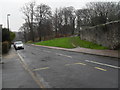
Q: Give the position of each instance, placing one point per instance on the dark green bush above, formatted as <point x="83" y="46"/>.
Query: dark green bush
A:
<point x="5" y="47"/>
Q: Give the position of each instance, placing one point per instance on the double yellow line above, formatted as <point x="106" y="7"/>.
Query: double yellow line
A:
<point x="35" y="78"/>
<point x="75" y="64"/>
<point x="100" y="68"/>
<point x="40" y="68"/>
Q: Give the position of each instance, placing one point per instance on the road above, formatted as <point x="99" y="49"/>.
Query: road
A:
<point x="64" y="69"/>
<point x="51" y="68"/>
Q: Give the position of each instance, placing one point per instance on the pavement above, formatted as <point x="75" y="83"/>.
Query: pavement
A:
<point x="109" y="53"/>
<point x="13" y="73"/>
<point x="0" y="76"/>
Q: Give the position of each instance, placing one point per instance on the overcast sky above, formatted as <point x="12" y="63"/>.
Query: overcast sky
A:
<point x="13" y="7"/>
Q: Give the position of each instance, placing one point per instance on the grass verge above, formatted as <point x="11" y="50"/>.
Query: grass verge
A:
<point x="70" y="42"/>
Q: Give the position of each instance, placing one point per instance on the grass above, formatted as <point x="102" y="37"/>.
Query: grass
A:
<point x="86" y="44"/>
<point x="70" y="42"/>
<point x="57" y="42"/>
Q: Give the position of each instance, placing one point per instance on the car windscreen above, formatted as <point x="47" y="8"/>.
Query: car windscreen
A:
<point x="18" y="43"/>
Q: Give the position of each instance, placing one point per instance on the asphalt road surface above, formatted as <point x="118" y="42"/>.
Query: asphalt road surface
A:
<point x="51" y="68"/>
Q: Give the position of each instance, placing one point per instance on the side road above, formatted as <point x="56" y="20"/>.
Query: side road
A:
<point x="13" y="73"/>
<point x="109" y="53"/>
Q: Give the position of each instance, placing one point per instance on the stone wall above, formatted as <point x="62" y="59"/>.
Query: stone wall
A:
<point x="107" y="35"/>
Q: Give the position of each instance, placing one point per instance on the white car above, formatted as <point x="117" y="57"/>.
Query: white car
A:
<point x="18" y="45"/>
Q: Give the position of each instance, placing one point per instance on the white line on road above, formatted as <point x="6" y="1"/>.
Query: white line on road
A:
<point x="103" y="64"/>
<point x="20" y="57"/>
<point x="64" y="55"/>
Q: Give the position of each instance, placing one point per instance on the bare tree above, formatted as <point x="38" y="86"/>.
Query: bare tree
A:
<point x="72" y="16"/>
<point x="28" y="10"/>
<point x="83" y="17"/>
<point x="25" y="30"/>
<point x="97" y="13"/>
<point x="40" y="22"/>
<point x="43" y="15"/>
<point x="102" y="12"/>
<point x="60" y="20"/>
<point x="56" y="21"/>
<point x="64" y="20"/>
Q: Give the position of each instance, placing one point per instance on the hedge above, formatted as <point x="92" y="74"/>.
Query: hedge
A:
<point x="5" y="46"/>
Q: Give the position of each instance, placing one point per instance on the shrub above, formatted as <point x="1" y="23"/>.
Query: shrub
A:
<point x="5" y="47"/>
<point x="30" y="41"/>
<point x="12" y="36"/>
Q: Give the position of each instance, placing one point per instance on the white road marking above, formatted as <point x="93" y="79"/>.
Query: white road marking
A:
<point x="64" y="55"/>
<point x="20" y="57"/>
<point x="103" y="64"/>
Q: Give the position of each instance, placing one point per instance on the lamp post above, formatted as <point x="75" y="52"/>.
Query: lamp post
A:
<point x="8" y="21"/>
<point x="8" y="26"/>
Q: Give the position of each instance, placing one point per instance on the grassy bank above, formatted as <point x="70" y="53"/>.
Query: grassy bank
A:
<point x="70" y="42"/>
